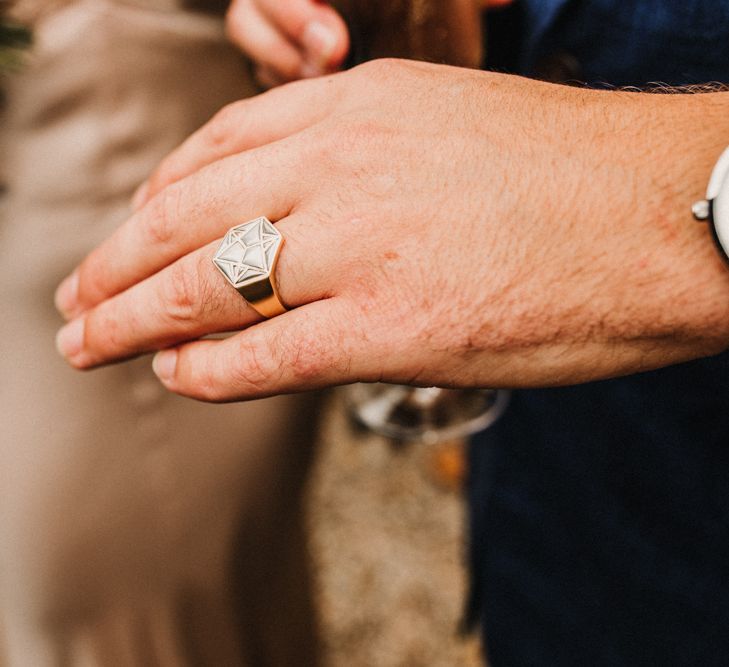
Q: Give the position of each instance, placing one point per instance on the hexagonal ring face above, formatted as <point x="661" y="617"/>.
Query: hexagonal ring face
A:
<point x="248" y="253"/>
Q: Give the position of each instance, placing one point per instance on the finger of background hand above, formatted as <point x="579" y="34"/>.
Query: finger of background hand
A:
<point x="266" y="78"/>
<point x="183" y="217"/>
<point x="316" y="27"/>
<point x="240" y="126"/>
<point x="312" y="347"/>
<point x="190" y="299"/>
<point x="262" y="40"/>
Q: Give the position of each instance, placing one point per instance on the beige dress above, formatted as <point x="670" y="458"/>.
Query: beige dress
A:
<point x="136" y="527"/>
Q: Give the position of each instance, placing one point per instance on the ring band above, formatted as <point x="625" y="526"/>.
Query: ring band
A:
<point x="247" y="258"/>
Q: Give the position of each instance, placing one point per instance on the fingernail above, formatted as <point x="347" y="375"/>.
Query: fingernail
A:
<point x="319" y="41"/>
<point x="140" y="196"/>
<point x="66" y="298"/>
<point x="164" y="364"/>
<point x="70" y="339"/>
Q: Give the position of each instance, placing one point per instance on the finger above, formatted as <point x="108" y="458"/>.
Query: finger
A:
<point x="312" y="347"/>
<point x="316" y="27"/>
<point x="183" y="302"/>
<point x="240" y="126"/>
<point x="266" y="78"/>
<point x="183" y="217"/>
<point x="190" y="299"/>
<point x="262" y="40"/>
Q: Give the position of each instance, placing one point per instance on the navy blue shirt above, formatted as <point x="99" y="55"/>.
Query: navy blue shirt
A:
<point x="600" y="513"/>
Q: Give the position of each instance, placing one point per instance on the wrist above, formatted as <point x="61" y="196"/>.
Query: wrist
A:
<point x="681" y="282"/>
<point x="599" y="266"/>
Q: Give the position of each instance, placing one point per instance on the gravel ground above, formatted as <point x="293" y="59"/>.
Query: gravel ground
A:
<point x="387" y="539"/>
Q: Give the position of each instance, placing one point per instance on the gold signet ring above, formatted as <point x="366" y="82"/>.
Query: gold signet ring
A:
<point x="247" y="258"/>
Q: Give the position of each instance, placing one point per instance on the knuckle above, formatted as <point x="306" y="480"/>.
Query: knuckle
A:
<point x="207" y="384"/>
<point x="160" y="223"/>
<point x="380" y="69"/>
<point x="307" y="364"/>
<point x="220" y="129"/>
<point x="182" y="295"/>
<point x="327" y="149"/>
<point x="306" y="354"/>
<point x="91" y="281"/>
<point x="248" y="376"/>
<point x="101" y="334"/>
<point x="258" y="366"/>
<point x="373" y="80"/>
<point x="351" y="149"/>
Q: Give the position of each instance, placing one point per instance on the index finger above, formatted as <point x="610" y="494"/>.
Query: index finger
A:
<point x="240" y="126"/>
<point x="185" y="216"/>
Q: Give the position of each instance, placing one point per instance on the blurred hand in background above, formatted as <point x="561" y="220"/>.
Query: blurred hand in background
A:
<point x="304" y="38"/>
<point x="288" y="40"/>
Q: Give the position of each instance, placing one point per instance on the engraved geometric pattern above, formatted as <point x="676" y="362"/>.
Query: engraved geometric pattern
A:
<point x="248" y="251"/>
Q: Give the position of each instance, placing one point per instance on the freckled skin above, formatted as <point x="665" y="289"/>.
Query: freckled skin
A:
<point x="537" y="235"/>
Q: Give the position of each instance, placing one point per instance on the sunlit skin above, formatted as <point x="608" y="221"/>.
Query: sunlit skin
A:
<point x="443" y="227"/>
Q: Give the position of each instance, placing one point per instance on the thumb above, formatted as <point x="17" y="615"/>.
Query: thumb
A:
<point x="314" y="27"/>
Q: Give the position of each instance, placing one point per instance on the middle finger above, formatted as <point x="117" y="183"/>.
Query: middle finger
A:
<point x="183" y="217"/>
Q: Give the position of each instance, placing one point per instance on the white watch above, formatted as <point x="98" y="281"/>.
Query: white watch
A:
<point x="715" y="208"/>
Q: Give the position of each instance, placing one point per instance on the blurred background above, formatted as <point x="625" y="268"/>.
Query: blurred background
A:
<point x="139" y="528"/>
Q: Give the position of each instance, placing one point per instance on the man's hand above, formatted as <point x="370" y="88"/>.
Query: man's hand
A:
<point x="443" y="227"/>
<point x="288" y="40"/>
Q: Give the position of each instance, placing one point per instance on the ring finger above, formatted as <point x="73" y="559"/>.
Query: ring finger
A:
<point x="190" y="299"/>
